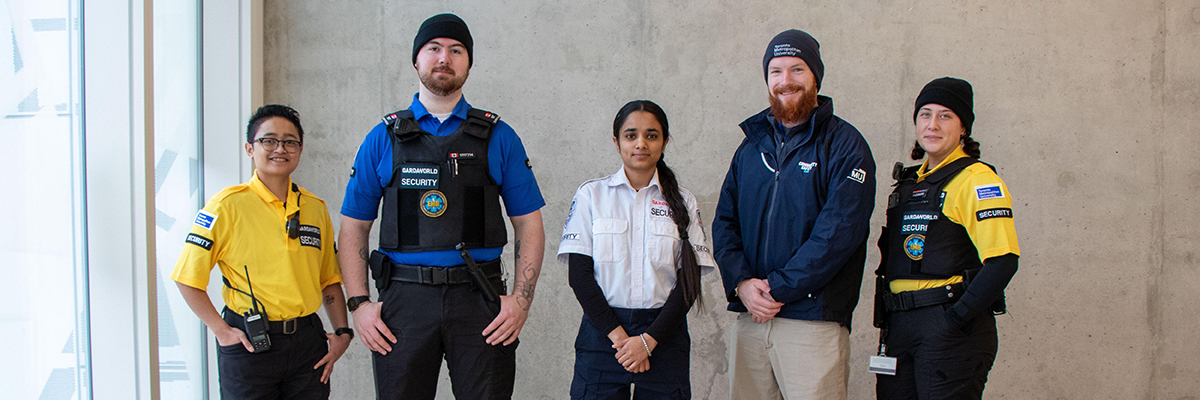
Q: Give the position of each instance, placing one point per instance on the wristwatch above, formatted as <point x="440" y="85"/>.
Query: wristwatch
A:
<point x="346" y="331"/>
<point x="353" y="303"/>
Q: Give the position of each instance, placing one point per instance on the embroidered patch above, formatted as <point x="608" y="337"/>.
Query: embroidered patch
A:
<point x="993" y="213"/>
<point x="203" y="242"/>
<point x="433" y="203"/>
<point x="858" y="175"/>
<point x="205" y="219"/>
<point x="992" y="191"/>
<point x="570" y="213"/>
<point x="418" y="176"/>
<point x="807" y="167"/>
<point x="785" y="50"/>
<point x="310" y="236"/>
<point x="914" y="246"/>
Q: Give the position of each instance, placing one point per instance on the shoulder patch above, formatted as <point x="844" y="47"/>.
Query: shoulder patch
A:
<point x="857" y="175"/>
<point x="993" y="213"/>
<point x="201" y="241"/>
<point x="205" y="219"/>
<point x="992" y="191"/>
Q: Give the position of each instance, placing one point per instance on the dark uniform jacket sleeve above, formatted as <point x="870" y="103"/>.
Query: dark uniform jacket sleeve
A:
<point x="727" y="234"/>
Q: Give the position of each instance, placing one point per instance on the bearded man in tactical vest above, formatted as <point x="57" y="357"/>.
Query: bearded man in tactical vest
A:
<point x="441" y="168"/>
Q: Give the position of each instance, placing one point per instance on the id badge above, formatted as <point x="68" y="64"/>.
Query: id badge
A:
<point x="883" y="365"/>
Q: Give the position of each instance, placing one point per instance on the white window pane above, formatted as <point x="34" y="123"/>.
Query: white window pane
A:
<point x="178" y="191"/>
<point x="39" y="158"/>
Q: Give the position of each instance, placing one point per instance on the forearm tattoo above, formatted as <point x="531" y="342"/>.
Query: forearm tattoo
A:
<point x="363" y="254"/>
<point x="526" y="279"/>
<point x="328" y="299"/>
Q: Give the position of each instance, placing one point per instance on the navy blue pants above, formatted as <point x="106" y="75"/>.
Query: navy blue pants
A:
<point x="432" y="322"/>
<point x="598" y="375"/>
<point x="283" y="372"/>
<point x="935" y="360"/>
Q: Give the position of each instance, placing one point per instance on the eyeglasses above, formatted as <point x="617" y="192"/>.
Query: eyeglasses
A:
<point x="269" y="144"/>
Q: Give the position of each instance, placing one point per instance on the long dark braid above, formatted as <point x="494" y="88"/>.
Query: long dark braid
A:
<point x="689" y="268"/>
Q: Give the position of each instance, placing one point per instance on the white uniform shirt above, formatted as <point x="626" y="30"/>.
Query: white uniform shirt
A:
<point x="632" y="238"/>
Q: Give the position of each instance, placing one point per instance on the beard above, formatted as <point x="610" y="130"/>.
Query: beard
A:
<point x="442" y="86"/>
<point x="796" y="111"/>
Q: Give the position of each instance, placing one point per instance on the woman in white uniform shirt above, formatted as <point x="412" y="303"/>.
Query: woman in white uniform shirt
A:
<point x="633" y="267"/>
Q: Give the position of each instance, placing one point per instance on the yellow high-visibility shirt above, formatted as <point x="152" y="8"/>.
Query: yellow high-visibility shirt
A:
<point x="245" y="225"/>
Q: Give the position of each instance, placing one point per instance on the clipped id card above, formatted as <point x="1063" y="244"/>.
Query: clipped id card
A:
<point x="883" y="365"/>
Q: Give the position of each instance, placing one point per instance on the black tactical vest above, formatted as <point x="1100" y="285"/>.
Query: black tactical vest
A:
<point x="441" y="192"/>
<point x="920" y="242"/>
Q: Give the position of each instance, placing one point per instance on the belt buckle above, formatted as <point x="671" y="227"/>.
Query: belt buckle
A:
<point x="289" y="326"/>
<point x="439" y="275"/>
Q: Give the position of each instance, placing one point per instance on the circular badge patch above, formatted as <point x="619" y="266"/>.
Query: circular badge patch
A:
<point x="433" y="203"/>
<point x="914" y="246"/>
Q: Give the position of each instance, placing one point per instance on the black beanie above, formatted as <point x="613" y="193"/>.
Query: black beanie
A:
<point x="952" y="93"/>
<point x="796" y="43"/>
<point x="447" y="26"/>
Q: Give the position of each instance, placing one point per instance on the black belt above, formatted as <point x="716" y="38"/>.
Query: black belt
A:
<point x="913" y="299"/>
<point x="288" y="327"/>
<point x="441" y="275"/>
<point x="285" y="327"/>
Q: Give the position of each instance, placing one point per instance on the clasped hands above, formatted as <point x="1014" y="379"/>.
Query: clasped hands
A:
<point x="756" y="296"/>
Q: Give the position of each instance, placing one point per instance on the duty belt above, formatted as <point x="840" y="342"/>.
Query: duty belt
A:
<point x="914" y="299"/>
<point x="285" y="327"/>
<point x="441" y="275"/>
<point x="288" y="327"/>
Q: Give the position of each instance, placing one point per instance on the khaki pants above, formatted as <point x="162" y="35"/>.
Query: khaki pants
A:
<point x="788" y="359"/>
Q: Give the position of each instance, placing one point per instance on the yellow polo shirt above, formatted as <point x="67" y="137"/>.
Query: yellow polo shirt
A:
<point x="977" y="188"/>
<point x="245" y="225"/>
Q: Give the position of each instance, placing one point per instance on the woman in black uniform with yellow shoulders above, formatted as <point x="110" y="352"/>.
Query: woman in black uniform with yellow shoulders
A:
<point x="949" y="250"/>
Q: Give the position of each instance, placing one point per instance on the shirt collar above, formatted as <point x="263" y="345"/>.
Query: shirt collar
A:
<point x="265" y="194"/>
<point x="954" y="155"/>
<point x="419" y="111"/>
<point x="620" y="178"/>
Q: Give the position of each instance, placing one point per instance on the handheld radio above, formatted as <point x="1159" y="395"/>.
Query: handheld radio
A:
<point x="256" y="322"/>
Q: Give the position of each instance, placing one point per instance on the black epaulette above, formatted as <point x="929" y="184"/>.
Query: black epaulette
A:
<point x="479" y="123"/>
<point x="402" y="125"/>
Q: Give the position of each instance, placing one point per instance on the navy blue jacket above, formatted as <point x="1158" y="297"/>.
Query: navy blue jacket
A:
<point x="797" y="214"/>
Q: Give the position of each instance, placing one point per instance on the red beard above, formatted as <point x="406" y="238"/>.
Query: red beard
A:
<point x="794" y="112"/>
<point x="442" y="87"/>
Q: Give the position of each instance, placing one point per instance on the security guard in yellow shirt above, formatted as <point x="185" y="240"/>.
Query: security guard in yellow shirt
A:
<point x="949" y="250"/>
<point x="274" y="243"/>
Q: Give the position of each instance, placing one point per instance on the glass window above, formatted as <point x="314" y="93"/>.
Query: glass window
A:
<point x="43" y="327"/>
<point x="178" y="191"/>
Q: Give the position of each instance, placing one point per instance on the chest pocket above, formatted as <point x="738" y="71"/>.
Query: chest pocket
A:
<point x="610" y="239"/>
<point x="663" y="244"/>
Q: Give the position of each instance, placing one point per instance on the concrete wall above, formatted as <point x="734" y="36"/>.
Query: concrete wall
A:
<point x="1088" y="109"/>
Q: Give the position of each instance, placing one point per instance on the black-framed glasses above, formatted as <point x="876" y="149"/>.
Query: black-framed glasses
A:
<point x="269" y="144"/>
